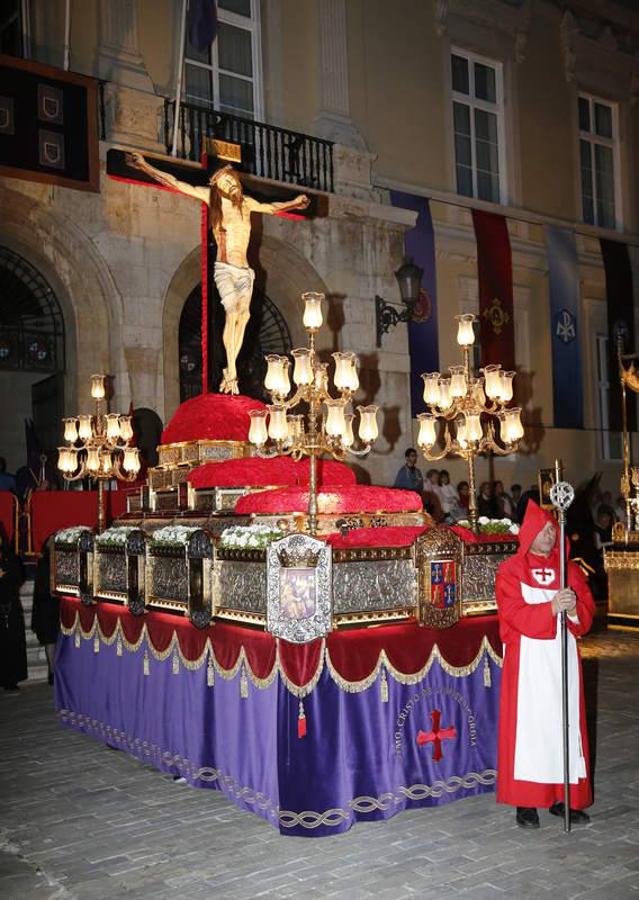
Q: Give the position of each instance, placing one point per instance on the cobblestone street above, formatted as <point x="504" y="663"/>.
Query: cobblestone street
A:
<point x="78" y="820"/>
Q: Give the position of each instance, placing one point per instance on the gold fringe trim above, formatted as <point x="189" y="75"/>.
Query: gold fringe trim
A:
<point x="382" y="669"/>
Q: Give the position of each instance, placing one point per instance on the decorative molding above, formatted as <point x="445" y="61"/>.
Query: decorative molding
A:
<point x="569" y="31"/>
<point x="119" y="53"/>
<point x="522" y="31"/>
<point x="441" y="17"/>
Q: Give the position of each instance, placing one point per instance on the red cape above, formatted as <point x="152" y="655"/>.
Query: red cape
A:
<point x="516" y="619"/>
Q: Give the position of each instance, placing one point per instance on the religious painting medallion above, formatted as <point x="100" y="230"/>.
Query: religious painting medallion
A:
<point x="299" y="588"/>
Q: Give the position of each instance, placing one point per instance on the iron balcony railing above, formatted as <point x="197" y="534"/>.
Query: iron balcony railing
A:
<point x="267" y="151"/>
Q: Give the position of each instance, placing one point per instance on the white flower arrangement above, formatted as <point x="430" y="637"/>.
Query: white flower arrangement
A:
<point x="174" y="535"/>
<point x="249" y="537"/>
<point x="71" y="535"/>
<point x="115" y="537"/>
<point x="493" y="526"/>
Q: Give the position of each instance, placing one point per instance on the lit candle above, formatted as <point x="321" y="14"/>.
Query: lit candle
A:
<point x="113" y="427"/>
<point x="312" y="318"/>
<point x="345" y="377"/>
<point x="71" y="430"/>
<point x="348" y="438"/>
<point x="474" y="430"/>
<point x="445" y="398"/>
<point x="106" y="462"/>
<point x="431" y="388"/>
<point x="126" y="428"/>
<point x="258" y="433"/>
<point x="492" y="380"/>
<point x="277" y="425"/>
<point x="93" y="460"/>
<point x="512" y="429"/>
<point x="131" y="462"/>
<point x="97" y="387"/>
<point x="277" y="380"/>
<point x="458" y="384"/>
<point x="85" y="430"/>
<point x="303" y="369"/>
<point x="335" y="424"/>
<point x="427" y="431"/>
<point x="465" y="330"/>
<point x="368" y="430"/>
<point x="462" y="440"/>
<point x="506" y="386"/>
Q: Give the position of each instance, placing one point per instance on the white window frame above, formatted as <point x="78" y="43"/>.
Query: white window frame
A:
<point x="603" y="395"/>
<point x="473" y="102"/>
<point x="612" y="143"/>
<point x="254" y="26"/>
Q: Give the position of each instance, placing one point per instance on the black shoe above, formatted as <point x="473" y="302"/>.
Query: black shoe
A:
<point x="577" y="816"/>
<point x="527" y="817"/>
<point x="50" y="678"/>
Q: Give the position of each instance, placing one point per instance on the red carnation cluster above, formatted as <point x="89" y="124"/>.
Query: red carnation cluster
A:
<point x="387" y="536"/>
<point x="211" y="417"/>
<point x="332" y="500"/>
<point x="257" y="472"/>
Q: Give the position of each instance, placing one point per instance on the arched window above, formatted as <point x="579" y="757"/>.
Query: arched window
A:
<point x="267" y="332"/>
<point x="31" y="323"/>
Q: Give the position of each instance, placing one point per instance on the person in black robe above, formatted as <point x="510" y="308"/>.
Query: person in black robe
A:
<point x="45" y="618"/>
<point x="13" y="645"/>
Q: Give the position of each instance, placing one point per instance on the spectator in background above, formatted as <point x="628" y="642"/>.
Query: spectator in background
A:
<point x="409" y="477"/>
<point x="432" y="495"/>
<point x="603" y="526"/>
<point x="7" y="480"/>
<point x="45" y="618"/>
<point x="515" y="496"/>
<point x="463" y="492"/>
<point x="448" y="496"/>
<point x="13" y="645"/>
<point x="487" y="504"/>
<point x="504" y="502"/>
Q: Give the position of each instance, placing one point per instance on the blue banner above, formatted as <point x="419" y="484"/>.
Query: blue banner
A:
<point x="563" y="281"/>
<point x="423" y="348"/>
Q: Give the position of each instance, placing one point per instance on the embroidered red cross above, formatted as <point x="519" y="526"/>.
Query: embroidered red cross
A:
<point x="544" y="576"/>
<point x="437" y="735"/>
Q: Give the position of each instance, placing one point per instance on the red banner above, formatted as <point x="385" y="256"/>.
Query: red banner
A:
<point x="52" y="510"/>
<point x="496" y="313"/>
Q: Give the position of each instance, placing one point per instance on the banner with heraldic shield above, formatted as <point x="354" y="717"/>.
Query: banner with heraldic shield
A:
<point x="439" y="562"/>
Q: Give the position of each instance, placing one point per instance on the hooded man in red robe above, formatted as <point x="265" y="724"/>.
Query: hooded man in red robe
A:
<point x="530" y="751"/>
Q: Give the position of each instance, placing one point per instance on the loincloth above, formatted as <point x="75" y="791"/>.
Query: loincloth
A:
<point x="235" y="286"/>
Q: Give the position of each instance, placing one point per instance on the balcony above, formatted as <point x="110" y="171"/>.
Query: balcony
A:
<point x="267" y="151"/>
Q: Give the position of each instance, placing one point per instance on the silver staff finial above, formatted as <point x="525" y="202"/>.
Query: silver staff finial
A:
<point x="562" y="494"/>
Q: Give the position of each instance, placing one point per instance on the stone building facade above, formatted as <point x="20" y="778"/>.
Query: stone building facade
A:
<point x="375" y="79"/>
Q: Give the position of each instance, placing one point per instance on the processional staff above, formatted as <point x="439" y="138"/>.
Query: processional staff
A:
<point x="562" y="494"/>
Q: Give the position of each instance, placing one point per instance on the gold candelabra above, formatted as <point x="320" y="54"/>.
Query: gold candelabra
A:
<point x="327" y="424"/>
<point x="98" y="447"/>
<point x="474" y="404"/>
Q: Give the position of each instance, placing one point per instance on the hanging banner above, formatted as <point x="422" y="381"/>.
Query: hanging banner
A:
<point x="563" y="285"/>
<point x="619" y="301"/>
<point x="419" y="243"/>
<point x="494" y="266"/>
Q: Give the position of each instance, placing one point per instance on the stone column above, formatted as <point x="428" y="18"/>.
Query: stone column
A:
<point x="334" y="121"/>
<point x="119" y="54"/>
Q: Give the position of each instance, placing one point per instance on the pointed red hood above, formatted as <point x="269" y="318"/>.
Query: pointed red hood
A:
<point x="534" y="520"/>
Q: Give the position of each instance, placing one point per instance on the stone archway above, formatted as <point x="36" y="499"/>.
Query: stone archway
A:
<point x="284" y="274"/>
<point x="80" y="278"/>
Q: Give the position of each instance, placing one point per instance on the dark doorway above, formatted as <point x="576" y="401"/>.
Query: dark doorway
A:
<point x="267" y="332"/>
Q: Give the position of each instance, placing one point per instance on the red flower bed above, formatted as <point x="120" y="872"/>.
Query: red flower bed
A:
<point x="356" y="499"/>
<point x="213" y="417"/>
<point x="387" y="536"/>
<point x="258" y="472"/>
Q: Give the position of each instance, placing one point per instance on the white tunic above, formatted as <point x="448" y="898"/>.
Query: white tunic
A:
<point x="539" y="739"/>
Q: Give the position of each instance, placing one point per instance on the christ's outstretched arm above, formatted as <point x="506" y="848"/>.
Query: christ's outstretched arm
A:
<point x="299" y="202"/>
<point x="137" y="161"/>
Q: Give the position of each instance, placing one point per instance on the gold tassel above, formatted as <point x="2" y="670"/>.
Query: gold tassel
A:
<point x="118" y="646"/>
<point x="210" y="673"/>
<point x="243" y="684"/>
<point x="145" y="664"/>
<point x="96" y="644"/>
<point x="77" y="640"/>
<point x="383" y="686"/>
<point x="487" y="679"/>
<point x="301" y="721"/>
<point x="176" y="663"/>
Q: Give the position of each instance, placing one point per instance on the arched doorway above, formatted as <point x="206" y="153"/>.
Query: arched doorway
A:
<point x="267" y="332"/>
<point x="32" y="361"/>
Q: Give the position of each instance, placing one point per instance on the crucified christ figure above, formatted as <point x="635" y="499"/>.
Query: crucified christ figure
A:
<point x="230" y="213"/>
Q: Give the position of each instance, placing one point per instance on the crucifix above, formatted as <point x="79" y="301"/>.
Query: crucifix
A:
<point x="230" y="211"/>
